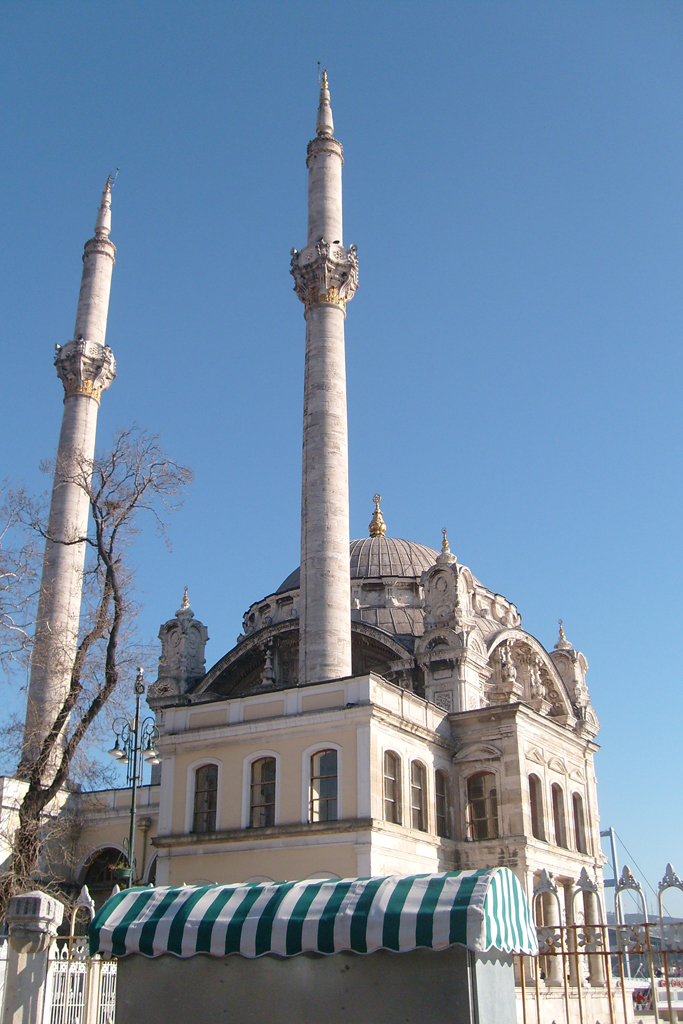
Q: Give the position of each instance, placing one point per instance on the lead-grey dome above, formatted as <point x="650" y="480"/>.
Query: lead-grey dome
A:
<point x="376" y="557"/>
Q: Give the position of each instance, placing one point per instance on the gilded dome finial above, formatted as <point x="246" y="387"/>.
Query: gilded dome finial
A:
<point x="186" y="600"/>
<point x="446" y="555"/>
<point x="324" y="85"/>
<point x="562" y="643"/>
<point x="377" y="525"/>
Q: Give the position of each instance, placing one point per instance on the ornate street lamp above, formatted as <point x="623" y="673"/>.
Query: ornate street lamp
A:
<point x="133" y="746"/>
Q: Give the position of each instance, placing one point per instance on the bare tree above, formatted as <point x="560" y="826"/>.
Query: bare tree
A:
<point x="135" y="477"/>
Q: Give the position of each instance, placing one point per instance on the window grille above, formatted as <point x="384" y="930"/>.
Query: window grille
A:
<point x="482" y="807"/>
<point x="392" y="787"/>
<point x="441" y="793"/>
<point x="417" y="796"/>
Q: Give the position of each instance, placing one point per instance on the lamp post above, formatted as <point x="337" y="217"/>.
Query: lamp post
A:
<point x="133" y="746"/>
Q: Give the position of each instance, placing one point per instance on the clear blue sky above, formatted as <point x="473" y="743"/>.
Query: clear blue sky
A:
<point x="513" y="182"/>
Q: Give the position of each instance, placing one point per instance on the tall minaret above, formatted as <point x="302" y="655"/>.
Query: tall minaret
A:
<point x="86" y="368"/>
<point x="326" y="277"/>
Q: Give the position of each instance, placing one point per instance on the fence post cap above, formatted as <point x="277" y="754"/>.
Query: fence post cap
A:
<point x="32" y="920"/>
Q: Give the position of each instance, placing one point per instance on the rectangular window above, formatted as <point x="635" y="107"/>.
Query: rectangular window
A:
<point x="417" y="796"/>
<point x="262" y="808"/>
<point x="323" y="799"/>
<point x="392" y="788"/>
<point x="482" y="807"/>
<point x="441" y="790"/>
<point x="205" y="798"/>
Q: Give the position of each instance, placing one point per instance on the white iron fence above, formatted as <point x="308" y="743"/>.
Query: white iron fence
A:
<point x="80" y="989"/>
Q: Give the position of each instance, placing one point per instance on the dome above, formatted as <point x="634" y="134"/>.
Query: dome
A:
<point x="375" y="557"/>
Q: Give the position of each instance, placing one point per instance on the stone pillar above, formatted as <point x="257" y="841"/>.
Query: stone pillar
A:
<point x="574" y="961"/>
<point x="86" y="368"/>
<point x="551" y="919"/>
<point x="32" y="920"/>
<point x="596" y="963"/>
<point x="326" y="277"/>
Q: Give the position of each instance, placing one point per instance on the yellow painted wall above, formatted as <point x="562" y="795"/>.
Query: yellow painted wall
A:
<point x="283" y="864"/>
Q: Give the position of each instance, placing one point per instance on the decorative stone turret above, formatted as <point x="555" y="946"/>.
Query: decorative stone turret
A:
<point x="450" y="654"/>
<point x="325" y="279"/>
<point x="183" y="640"/>
<point x="86" y="368"/>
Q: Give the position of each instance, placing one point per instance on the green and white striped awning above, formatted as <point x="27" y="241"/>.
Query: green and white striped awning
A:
<point x="477" y="909"/>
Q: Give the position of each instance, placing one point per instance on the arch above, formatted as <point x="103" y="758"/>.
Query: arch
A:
<point x="257" y="755"/>
<point x="322" y="876"/>
<point x="559" y="819"/>
<point x="97" y="868"/>
<point x="441" y="802"/>
<point x="306" y="756"/>
<point x="517" y="635"/>
<point x="84" y="862"/>
<point x="258" y="880"/>
<point x="536" y="807"/>
<point x="580" y="838"/>
<point x="419" y="818"/>
<point x="392" y="768"/>
<point x="190" y="791"/>
<point x="482" y="806"/>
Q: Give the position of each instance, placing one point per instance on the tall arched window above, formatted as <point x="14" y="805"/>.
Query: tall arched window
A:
<point x="418" y="817"/>
<point x="205" y="798"/>
<point x="536" y="805"/>
<point x="482" y="806"/>
<point x="262" y="793"/>
<point x="441" y="799"/>
<point x="323" y="799"/>
<point x="579" y="823"/>
<point x="392" y="787"/>
<point x="558" y="816"/>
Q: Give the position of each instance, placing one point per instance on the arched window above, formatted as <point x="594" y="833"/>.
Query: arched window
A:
<point x="579" y="823"/>
<point x="536" y="804"/>
<point x="101" y="866"/>
<point x="418" y="817"/>
<point x="441" y="794"/>
<point x="262" y="793"/>
<point x="558" y="816"/>
<point x="482" y="806"/>
<point x="323" y="798"/>
<point x="205" y="798"/>
<point x="392" y="787"/>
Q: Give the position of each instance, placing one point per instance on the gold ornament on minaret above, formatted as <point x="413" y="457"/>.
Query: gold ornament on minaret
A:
<point x="377" y="525"/>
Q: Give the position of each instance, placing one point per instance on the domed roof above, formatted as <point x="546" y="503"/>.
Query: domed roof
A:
<point x="374" y="557"/>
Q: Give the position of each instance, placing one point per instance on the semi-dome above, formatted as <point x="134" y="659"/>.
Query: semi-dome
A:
<point x="377" y="557"/>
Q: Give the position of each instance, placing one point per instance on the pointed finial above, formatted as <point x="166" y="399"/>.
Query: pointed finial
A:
<point x="186" y="600"/>
<point x="325" y="124"/>
<point x="377" y="525"/>
<point x="446" y="555"/>
<point x="103" y="222"/>
<point x="562" y="643"/>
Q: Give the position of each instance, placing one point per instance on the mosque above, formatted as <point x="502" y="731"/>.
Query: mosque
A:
<point x="382" y="711"/>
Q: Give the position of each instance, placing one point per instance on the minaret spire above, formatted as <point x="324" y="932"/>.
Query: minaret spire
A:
<point x="326" y="277"/>
<point x="86" y="368"/>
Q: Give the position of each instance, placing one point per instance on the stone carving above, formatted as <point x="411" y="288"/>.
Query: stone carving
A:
<point x="444" y="700"/>
<point x="536" y="687"/>
<point x="325" y="272"/>
<point x="85" y="367"/>
<point x="183" y="640"/>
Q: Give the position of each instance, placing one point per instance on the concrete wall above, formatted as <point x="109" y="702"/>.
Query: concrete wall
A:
<point x="449" y="987"/>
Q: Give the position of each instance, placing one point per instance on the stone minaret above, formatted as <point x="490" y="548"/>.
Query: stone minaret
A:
<point x="86" y="368"/>
<point x="326" y="277"/>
